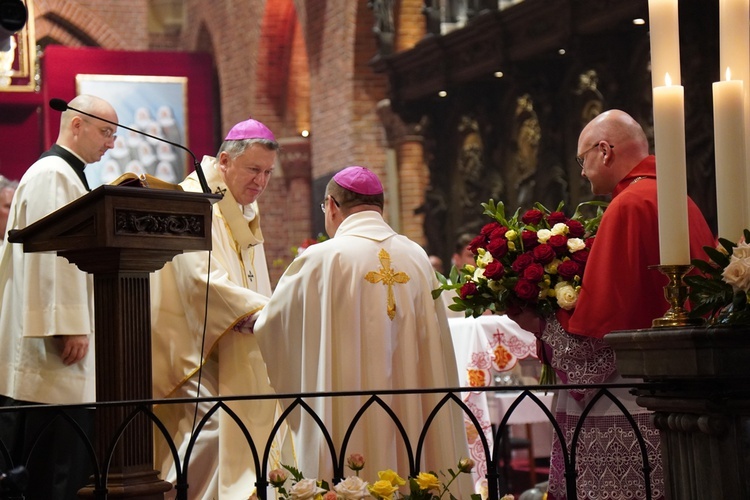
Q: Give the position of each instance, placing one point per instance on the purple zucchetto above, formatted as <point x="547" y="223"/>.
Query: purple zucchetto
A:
<point x="249" y="129"/>
<point x="359" y="180"/>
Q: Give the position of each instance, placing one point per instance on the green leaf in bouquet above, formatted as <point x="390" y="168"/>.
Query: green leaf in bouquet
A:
<point x="705" y="267"/>
<point x="717" y="256"/>
<point x="729" y="246"/>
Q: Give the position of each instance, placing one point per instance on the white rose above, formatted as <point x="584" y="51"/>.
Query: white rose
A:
<point x="305" y="489"/>
<point x="742" y="251"/>
<point x="478" y="274"/>
<point x="484" y="258"/>
<point x="543" y="235"/>
<point x="352" y="488"/>
<point x="559" y="229"/>
<point x="575" y="244"/>
<point x="566" y="295"/>
<point x="737" y="274"/>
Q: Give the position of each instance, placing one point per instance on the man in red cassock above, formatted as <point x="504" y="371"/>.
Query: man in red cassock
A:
<point x="620" y="291"/>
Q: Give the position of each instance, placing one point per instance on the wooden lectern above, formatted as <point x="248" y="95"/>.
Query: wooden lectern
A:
<point x="120" y="235"/>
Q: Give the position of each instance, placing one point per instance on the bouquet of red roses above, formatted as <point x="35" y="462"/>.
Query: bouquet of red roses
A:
<point x="532" y="260"/>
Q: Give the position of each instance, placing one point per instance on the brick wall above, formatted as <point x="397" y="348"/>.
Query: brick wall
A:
<point x="293" y="64"/>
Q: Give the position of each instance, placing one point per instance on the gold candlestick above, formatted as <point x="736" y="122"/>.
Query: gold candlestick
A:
<point x="676" y="293"/>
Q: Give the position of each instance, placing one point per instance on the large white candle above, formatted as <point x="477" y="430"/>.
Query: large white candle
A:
<point x="671" y="176"/>
<point x="729" y="142"/>
<point x="664" y="31"/>
<point x="734" y="52"/>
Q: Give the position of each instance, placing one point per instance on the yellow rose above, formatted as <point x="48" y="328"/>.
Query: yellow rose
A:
<point x="551" y="268"/>
<point x="427" y="481"/>
<point x="382" y="489"/>
<point x="392" y="477"/>
<point x="511" y="235"/>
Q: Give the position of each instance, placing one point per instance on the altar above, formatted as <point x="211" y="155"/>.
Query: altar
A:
<point x="488" y="351"/>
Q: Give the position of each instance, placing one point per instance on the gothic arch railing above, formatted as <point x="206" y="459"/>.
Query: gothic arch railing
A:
<point x="260" y="462"/>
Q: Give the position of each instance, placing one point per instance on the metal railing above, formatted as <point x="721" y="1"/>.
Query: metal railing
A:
<point x="261" y="451"/>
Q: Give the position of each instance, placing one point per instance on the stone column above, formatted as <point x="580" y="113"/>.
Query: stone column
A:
<point x="296" y="164"/>
<point x="701" y="405"/>
<point x="413" y="175"/>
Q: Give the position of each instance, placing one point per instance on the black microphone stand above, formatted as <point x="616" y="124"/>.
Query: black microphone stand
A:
<point x="60" y="105"/>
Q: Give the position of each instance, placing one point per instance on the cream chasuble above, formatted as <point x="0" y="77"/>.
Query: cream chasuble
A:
<point x="239" y="287"/>
<point x="356" y="313"/>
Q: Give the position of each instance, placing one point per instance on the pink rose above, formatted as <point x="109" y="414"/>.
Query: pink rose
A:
<point x="526" y="290"/>
<point x="355" y="462"/>
<point x="575" y="229"/>
<point x="535" y="273"/>
<point x="569" y="269"/>
<point x="522" y="262"/>
<point x="468" y="289"/>
<point x="532" y="217"/>
<point x="544" y="254"/>
<point x="494" y="270"/>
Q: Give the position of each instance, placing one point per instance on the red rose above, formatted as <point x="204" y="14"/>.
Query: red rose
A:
<point x="581" y="256"/>
<point x="476" y="243"/>
<point x="544" y="254"/>
<point x="467" y="290"/>
<point x="494" y="270"/>
<point x="530" y="239"/>
<point x="488" y="228"/>
<point x="575" y="229"/>
<point x="559" y="243"/>
<point x="526" y="290"/>
<point x="498" y="232"/>
<point x="590" y="242"/>
<point x="569" y="269"/>
<point x="535" y="273"/>
<point x="522" y="262"/>
<point x="556" y="217"/>
<point x="498" y="247"/>
<point x="532" y="217"/>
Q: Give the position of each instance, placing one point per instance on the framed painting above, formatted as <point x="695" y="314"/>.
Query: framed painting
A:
<point x="18" y="61"/>
<point x="155" y="105"/>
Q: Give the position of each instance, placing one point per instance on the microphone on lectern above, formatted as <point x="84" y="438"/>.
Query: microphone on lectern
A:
<point x="60" y="105"/>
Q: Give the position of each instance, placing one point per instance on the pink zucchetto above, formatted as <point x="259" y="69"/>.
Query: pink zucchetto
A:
<point x="359" y="180"/>
<point x="249" y="129"/>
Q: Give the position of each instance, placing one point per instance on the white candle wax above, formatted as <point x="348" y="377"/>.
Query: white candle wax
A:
<point x="664" y="32"/>
<point x="729" y="142"/>
<point x="671" y="177"/>
<point x="734" y="52"/>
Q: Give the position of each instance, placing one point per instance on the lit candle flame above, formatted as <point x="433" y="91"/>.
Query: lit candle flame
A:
<point x="728" y="74"/>
<point x="667" y="80"/>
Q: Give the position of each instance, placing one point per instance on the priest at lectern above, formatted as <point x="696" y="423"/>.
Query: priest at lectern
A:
<point x="47" y="314"/>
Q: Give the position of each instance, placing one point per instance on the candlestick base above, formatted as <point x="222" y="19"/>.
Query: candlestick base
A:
<point x="676" y="293"/>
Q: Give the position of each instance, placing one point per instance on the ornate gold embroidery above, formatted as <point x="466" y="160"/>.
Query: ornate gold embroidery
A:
<point x="389" y="277"/>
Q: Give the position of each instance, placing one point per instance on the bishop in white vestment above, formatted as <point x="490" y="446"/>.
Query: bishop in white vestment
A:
<point x="356" y="313"/>
<point x="222" y="354"/>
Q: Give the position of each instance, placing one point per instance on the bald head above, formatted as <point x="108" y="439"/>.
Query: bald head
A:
<point x="86" y="136"/>
<point x="611" y="145"/>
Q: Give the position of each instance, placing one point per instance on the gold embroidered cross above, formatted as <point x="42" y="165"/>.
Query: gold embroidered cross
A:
<point x="389" y="277"/>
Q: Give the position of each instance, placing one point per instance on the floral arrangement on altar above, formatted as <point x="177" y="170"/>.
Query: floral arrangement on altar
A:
<point x="535" y="260"/>
<point x="722" y="291"/>
<point x="426" y="486"/>
<point x="297" y="251"/>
